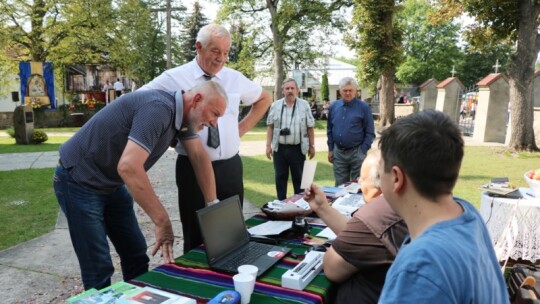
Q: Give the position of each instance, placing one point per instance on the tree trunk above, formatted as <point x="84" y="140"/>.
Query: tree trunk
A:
<point x="521" y="76"/>
<point x="386" y="99"/>
<point x="279" y="73"/>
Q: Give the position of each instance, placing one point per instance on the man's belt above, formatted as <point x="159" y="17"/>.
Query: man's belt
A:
<point x="347" y="149"/>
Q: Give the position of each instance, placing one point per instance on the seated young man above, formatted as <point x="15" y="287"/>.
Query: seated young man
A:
<point x="366" y="245"/>
<point x="449" y="257"/>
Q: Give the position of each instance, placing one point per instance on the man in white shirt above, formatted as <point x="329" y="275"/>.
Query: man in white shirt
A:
<point x="213" y="45"/>
<point x="118" y="87"/>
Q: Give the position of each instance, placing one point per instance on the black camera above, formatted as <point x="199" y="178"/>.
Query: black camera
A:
<point x="285" y="131"/>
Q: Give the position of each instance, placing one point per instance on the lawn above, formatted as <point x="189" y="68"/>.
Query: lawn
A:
<point x="29" y="207"/>
<point x="28" y="204"/>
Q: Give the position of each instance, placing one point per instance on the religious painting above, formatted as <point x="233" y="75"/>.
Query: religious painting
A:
<point x="37" y="84"/>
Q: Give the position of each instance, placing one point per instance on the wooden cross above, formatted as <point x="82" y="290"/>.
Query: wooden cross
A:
<point x="168" y="9"/>
<point x="497" y="66"/>
<point x="453" y="71"/>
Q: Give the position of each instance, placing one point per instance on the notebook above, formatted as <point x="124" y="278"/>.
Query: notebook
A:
<point x="227" y="240"/>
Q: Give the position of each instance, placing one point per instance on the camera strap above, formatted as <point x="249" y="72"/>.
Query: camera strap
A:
<point x="281" y="115"/>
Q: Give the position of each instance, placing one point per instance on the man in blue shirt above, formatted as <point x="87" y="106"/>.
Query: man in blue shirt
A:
<point x="448" y="256"/>
<point x="102" y="169"/>
<point x="350" y="132"/>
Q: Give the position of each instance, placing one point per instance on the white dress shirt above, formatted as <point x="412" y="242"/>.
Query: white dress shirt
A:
<point x="238" y="88"/>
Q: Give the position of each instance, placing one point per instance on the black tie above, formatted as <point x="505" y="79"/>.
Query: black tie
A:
<point x="213" y="133"/>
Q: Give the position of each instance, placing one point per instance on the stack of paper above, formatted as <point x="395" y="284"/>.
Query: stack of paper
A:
<point x="348" y="203"/>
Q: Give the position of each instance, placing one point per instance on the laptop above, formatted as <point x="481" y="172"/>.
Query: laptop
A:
<point x="227" y="240"/>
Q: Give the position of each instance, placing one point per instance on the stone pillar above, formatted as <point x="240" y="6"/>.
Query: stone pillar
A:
<point x="492" y="110"/>
<point x="428" y="94"/>
<point x="23" y="124"/>
<point x="536" y="90"/>
<point x="448" y="96"/>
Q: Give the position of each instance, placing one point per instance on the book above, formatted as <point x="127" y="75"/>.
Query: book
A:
<point x="126" y="293"/>
<point x="149" y="295"/>
<point x="352" y="187"/>
<point x="333" y="192"/>
<point x="90" y="296"/>
<point x="501" y="189"/>
<point x="348" y="203"/>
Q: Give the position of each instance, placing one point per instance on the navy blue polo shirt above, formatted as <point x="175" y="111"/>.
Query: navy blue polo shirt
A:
<point x="150" y="118"/>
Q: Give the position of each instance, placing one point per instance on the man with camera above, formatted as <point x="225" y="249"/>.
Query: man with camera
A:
<point x="289" y="137"/>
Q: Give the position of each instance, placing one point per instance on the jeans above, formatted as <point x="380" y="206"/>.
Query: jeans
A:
<point x="93" y="216"/>
<point x="347" y="164"/>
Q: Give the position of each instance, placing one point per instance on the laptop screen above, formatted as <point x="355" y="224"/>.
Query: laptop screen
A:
<point x="222" y="227"/>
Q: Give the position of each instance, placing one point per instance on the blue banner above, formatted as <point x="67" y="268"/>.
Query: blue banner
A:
<point x="37" y="84"/>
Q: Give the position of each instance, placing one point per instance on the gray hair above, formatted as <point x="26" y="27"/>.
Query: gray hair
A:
<point x="212" y="87"/>
<point x="348" y="81"/>
<point x="212" y="30"/>
<point x="289" y="80"/>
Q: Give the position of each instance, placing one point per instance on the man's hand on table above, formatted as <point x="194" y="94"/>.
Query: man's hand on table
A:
<point x="164" y="242"/>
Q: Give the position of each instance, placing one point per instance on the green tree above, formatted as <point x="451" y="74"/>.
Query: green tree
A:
<point x="516" y="23"/>
<point x="430" y="49"/>
<point x="325" y="92"/>
<point x="44" y="30"/>
<point x="8" y="66"/>
<point x="191" y="26"/>
<point x="292" y="24"/>
<point x="377" y="41"/>
<point x="483" y="62"/>
<point x="139" y="44"/>
<point x="241" y="54"/>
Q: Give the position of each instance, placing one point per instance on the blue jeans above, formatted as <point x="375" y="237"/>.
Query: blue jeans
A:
<point x="92" y="217"/>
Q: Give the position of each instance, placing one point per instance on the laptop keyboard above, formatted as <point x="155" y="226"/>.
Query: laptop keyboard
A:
<point x="246" y="255"/>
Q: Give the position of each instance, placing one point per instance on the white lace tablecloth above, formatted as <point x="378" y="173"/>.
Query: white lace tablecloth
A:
<point x="498" y="213"/>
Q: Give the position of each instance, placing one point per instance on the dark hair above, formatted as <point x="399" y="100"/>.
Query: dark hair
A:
<point x="428" y="147"/>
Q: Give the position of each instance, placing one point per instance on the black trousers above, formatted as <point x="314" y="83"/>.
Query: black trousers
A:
<point x="288" y="157"/>
<point x="229" y="182"/>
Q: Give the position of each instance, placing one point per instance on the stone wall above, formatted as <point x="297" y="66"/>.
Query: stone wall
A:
<point x="401" y="110"/>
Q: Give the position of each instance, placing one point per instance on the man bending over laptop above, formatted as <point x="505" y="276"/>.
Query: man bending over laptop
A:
<point x="366" y="245"/>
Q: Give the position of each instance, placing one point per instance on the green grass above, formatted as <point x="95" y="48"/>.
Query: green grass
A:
<point x="28" y="205"/>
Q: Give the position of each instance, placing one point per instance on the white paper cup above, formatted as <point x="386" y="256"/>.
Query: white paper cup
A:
<point x="244" y="285"/>
<point x="249" y="269"/>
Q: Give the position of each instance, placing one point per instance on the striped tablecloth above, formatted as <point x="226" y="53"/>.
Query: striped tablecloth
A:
<point x="190" y="276"/>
